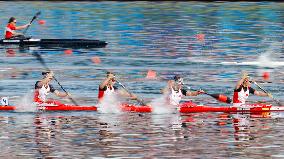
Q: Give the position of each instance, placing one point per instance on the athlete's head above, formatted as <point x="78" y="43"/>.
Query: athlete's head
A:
<point x="111" y="75"/>
<point x="247" y="82"/>
<point x="178" y="79"/>
<point x="12" y="19"/>
<point x="178" y="82"/>
<point x="47" y="74"/>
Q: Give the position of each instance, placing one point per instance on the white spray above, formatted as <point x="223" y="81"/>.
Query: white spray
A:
<point x="26" y="104"/>
<point x="110" y="104"/>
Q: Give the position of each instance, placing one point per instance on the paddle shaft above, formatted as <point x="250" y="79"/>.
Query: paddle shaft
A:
<point x="275" y="100"/>
<point x="45" y="66"/>
<point x="139" y="100"/>
<point x="37" y="14"/>
<point x="220" y="97"/>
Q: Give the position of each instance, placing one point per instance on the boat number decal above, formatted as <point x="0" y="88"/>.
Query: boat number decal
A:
<point x="9" y="41"/>
<point x="4" y="101"/>
<point x="33" y="40"/>
<point x="243" y="108"/>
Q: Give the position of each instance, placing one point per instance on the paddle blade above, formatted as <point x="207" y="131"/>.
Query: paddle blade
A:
<point x="36" y="15"/>
<point x="221" y="98"/>
<point x="39" y="58"/>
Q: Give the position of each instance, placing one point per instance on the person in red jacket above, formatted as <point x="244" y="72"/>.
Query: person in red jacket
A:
<point x="10" y="32"/>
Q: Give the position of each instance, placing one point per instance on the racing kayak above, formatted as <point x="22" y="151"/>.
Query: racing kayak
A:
<point x="77" y="43"/>
<point x="64" y="107"/>
<point x="189" y="107"/>
<point x="55" y="108"/>
<point x="249" y="108"/>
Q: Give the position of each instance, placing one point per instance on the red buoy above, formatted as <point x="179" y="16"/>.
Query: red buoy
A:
<point x="68" y="52"/>
<point x="266" y="75"/>
<point x="41" y="22"/>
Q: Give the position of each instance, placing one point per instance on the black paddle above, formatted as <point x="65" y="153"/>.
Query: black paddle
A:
<point x="137" y="99"/>
<point x="275" y="100"/>
<point x="36" y="15"/>
<point x="38" y="56"/>
<point x="220" y="97"/>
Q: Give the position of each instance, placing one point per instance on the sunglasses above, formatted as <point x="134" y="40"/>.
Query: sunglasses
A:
<point x="247" y="81"/>
<point x="14" y="22"/>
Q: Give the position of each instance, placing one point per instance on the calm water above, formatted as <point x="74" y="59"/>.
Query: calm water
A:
<point x="208" y="43"/>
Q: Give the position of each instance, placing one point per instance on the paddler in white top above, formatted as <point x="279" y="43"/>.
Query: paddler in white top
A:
<point x="243" y="89"/>
<point x="107" y="88"/>
<point x="43" y="88"/>
<point x="175" y="91"/>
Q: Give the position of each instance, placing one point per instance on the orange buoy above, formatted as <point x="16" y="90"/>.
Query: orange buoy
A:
<point x="266" y="75"/>
<point x="96" y="60"/>
<point x="200" y="37"/>
<point x="68" y="52"/>
<point x="41" y="22"/>
<point x="151" y="74"/>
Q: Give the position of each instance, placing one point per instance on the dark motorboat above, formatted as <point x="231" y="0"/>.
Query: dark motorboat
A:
<point x="74" y="43"/>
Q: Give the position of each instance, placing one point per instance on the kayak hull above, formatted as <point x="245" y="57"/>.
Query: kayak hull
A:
<point x="134" y="108"/>
<point x="55" y="108"/>
<point x="85" y="43"/>
<point x="67" y="108"/>
<point x="249" y="108"/>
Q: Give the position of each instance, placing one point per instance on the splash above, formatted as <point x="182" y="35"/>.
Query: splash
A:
<point x="266" y="59"/>
<point x="160" y="106"/>
<point x="26" y="104"/>
<point x="110" y="104"/>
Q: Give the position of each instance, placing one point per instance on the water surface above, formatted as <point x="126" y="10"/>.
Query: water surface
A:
<point x="208" y="43"/>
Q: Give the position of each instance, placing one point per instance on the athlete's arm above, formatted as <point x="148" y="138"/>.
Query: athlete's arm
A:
<point x="168" y="87"/>
<point x="260" y="93"/>
<point x="194" y="93"/>
<point x="60" y="94"/>
<point x="106" y="81"/>
<point x="241" y="81"/>
<point x="22" y="27"/>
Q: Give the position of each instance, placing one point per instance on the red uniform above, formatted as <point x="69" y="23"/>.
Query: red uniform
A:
<point x="9" y="28"/>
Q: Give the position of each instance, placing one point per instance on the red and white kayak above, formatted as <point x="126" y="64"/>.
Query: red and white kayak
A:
<point x="55" y="108"/>
<point x="135" y="108"/>
<point x="193" y="108"/>
<point x="187" y="107"/>
<point x="249" y="108"/>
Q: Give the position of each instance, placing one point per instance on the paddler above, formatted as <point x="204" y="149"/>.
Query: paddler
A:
<point x="43" y="88"/>
<point x="174" y="91"/>
<point x="10" y="32"/>
<point x="107" y="88"/>
<point x="243" y="89"/>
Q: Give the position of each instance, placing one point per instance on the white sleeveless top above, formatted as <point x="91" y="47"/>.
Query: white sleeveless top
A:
<point x="43" y="92"/>
<point x="109" y="91"/>
<point x="175" y="97"/>
<point x="241" y="97"/>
